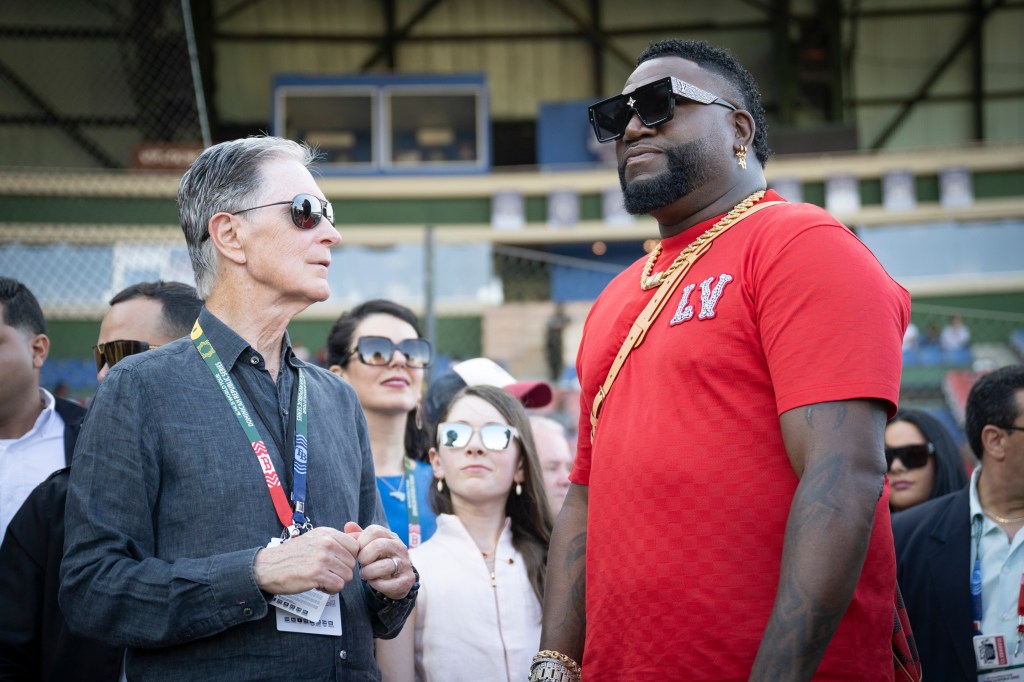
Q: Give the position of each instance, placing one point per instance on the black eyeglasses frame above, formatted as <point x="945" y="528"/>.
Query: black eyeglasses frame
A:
<point x="677" y="88"/>
<point x="912" y="456"/>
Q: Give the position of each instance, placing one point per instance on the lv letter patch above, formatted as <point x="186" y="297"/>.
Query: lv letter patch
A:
<point x="708" y="299"/>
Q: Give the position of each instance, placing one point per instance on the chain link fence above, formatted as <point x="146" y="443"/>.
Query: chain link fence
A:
<point x="489" y="300"/>
<point x="100" y="84"/>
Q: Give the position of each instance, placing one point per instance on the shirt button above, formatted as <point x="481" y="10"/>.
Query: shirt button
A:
<point x="254" y="360"/>
<point x="247" y="612"/>
<point x="343" y="655"/>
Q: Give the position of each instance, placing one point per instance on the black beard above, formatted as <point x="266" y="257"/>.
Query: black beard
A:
<point x="689" y="168"/>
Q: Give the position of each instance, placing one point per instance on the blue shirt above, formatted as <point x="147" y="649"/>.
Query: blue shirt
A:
<point x="1002" y="564"/>
<point x="168" y="506"/>
<point x="397" y="510"/>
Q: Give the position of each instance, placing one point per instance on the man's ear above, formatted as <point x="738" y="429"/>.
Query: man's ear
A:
<point x="224" y="233"/>
<point x="992" y="441"/>
<point x="40" y="350"/>
<point x="744" y="127"/>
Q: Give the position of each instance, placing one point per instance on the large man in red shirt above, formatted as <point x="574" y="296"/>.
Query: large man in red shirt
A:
<point x="729" y="519"/>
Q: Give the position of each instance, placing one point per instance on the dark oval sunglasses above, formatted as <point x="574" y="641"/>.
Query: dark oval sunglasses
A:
<point x="496" y="437"/>
<point x="378" y="351"/>
<point x="306" y="211"/>
<point x="912" y="456"/>
<point x="113" y="352"/>
<point x="654" y="103"/>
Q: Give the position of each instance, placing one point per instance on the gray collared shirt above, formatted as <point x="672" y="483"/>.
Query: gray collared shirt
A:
<point x="168" y="506"/>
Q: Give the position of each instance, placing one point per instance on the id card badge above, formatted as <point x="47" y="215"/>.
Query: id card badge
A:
<point x="995" y="662"/>
<point x="308" y="605"/>
<point x="329" y="622"/>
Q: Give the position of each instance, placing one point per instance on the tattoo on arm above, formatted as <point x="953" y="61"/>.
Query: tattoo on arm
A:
<point x="575" y="566"/>
<point x="802" y="623"/>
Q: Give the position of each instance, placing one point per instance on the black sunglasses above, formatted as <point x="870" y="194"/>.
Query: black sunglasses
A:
<point x="912" y="456"/>
<point x="306" y="211"/>
<point x="112" y="352"/>
<point x="378" y="351"/>
<point x="654" y="103"/>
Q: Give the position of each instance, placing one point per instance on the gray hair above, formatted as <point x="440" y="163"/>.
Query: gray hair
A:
<point x="225" y="178"/>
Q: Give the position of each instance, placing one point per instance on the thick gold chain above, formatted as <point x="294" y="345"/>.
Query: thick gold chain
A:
<point x="651" y="281"/>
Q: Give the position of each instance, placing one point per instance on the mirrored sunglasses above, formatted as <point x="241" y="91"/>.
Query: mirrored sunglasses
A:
<point x="306" y="211"/>
<point x="654" y="103"/>
<point x="912" y="456"/>
<point x="378" y="351"/>
<point x="496" y="437"/>
<point x="112" y="352"/>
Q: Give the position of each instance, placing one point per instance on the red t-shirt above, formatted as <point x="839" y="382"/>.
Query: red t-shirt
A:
<point x="689" y="482"/>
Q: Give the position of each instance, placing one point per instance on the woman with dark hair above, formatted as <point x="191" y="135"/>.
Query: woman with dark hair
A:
<point x="924" y="462"/>
<point x="478" y="613"/>
<point x="378" y="348"/>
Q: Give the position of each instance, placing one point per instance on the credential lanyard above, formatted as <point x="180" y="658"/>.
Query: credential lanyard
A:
<point x="411" y="503"/>
<point x="976" y="612"/>
<point x="976" y="603"/>
<point x="294" y="522"/>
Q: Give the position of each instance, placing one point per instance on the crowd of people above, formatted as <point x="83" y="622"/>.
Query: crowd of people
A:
<point x="736" y="500"/>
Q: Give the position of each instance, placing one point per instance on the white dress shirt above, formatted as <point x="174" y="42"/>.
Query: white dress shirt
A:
<point x="27" y="461"/>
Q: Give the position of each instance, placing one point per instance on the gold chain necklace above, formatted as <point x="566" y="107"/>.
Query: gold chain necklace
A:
<point x="1000" y="519"/>
<point x="650" y="281"/>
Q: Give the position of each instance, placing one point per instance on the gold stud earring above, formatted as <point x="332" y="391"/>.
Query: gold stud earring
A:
<point x="519" y="489"/>
<point x="440" y="485"/>
<point x="741" y="155"/>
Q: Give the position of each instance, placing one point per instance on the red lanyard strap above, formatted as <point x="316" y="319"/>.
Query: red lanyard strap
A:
<point x="294" y="522"/>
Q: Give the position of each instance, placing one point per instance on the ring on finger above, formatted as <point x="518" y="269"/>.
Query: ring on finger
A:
<point x="397" y="566"/>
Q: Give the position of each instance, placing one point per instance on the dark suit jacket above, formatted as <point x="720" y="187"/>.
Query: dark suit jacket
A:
<point x="72" y="414"/>
<point x="35" y="642"/>
<point x="933" y="556"/>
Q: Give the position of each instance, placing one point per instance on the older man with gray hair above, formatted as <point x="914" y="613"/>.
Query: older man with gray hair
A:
<point x="235" y="531"/>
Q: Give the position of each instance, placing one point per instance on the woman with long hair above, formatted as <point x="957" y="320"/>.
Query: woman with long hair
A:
<point x="478" y="614"/>
<point x="378" y="348"/>
<point x="924" y="462"/>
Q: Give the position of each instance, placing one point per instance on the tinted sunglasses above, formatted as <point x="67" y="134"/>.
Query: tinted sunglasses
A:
<point x="495" y="437"/>
<point x="654" y="103"/>
<point x="378" y="351"/>
<point x="113" y="352"/>
<point x="306" y="211"/>
<point x="912" y="456"/>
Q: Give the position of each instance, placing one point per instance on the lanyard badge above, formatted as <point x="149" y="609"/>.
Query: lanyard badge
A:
<point x="294" y="521"/>
<point x="412" y="504"/>
<point x="990" y="651"/>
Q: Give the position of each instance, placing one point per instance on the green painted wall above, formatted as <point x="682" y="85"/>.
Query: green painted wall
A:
<point x="449" y="211"/>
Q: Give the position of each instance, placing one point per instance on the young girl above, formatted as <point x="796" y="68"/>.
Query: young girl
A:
<point x="478" y="613"/>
